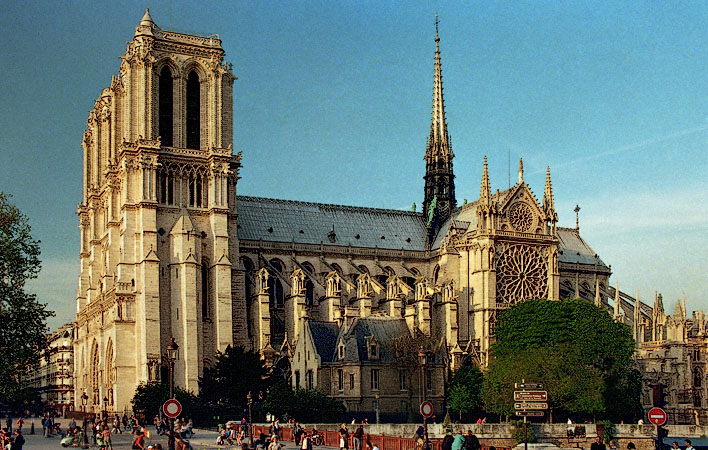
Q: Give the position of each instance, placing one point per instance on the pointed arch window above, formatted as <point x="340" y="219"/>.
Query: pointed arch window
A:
<point x="309" y="286"/>
<point x="275" y="286"/>
<point x="193" y="110"/>
<point x="165" y="103"/>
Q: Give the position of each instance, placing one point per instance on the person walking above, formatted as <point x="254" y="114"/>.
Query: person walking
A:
<point x="687" y="442"/>
<point x="18" y="440"/>
<point x="447" y="441"/>
<point x="343" y="437"/>
<point x="357" y="437"/>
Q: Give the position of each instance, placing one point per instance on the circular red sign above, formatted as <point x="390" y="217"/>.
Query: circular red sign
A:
<point x="426" y="409"/>
<point x="172" y="408"/>
<point x="657" y="416"/>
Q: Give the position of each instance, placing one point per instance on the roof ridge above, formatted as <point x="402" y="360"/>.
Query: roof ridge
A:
<point x="331" y="205"/>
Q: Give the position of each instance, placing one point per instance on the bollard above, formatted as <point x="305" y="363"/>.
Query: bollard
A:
<point x="32" y="428"/>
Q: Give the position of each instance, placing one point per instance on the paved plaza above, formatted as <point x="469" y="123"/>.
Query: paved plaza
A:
<point x="202" y="439"/>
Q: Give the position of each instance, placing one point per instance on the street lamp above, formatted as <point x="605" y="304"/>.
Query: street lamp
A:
<point x="249" y="400"/>
<point x="171" y="354"/>
<point x="84" y="401"/>
<point x="105" y="408"/>
<point x="422" y="360"/>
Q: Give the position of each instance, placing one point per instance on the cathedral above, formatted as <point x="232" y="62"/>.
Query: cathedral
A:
<point x="343" y="295"/>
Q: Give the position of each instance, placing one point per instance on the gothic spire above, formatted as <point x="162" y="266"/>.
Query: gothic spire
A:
<point x="439" y="142"/>
<point x="439" y="198"/>
<point x="548" y="203"/>
<point x="521" y="170"/>
<point x="485" y="191"/>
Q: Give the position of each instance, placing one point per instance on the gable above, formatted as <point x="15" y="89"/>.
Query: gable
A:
<point x="520" y="211"/>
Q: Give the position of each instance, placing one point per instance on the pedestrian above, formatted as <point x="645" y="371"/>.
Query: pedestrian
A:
<point x="343" y="437"/>
<point x="297" y="432"/>
<point x="306" y="442"/>
<point x="274" y="444"/>
<point x="139" y="441"/>
<point x="471" y="441"/>
<point x="357" y="437"/>
<point x="458" y="442"/>
<point x="687" y="442"/>
<point x="447" y="441"/>
<point x="18" y="440"/>
<point x="675" y="445"/>
<point x="106" y="434"/>
<point x="20" y="421"/>
<point x="8" y="423"/>
<point x="598" y="445"/>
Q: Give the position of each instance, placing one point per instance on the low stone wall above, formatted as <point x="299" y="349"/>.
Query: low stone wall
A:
<point x="499" y="434"/>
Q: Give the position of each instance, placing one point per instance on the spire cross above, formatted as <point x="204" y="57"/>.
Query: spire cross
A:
<point x="437" y="21"/>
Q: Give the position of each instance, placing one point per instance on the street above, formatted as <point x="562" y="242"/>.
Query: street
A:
<point x="203" y="439"/>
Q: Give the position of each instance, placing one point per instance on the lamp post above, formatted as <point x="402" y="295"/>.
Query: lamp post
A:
<point x="249" y="400"/>
<point x="378" y="397"/>
<point x="84" y="401"/>
<point x="105" y="408"/>
<point x="171" y="354"/>
<point x="422" y="360"/>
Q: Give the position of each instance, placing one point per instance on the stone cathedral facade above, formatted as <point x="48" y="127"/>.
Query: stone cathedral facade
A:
<point x="168" y="249"/>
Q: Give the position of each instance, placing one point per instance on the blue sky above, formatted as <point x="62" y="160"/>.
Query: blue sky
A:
<point x="333" y="105"/>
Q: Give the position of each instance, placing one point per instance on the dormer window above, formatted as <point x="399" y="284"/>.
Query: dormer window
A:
<point x="341" y="351"/>
<point x="373" y="348"/>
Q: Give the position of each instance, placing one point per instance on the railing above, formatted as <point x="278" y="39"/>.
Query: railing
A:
<point x="331" y="439"/>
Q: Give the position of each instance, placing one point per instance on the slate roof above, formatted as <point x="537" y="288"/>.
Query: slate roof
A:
<point x="385" y="329"/>
<point x="324" y="335"/>
<point x="311" y="223"/>
<point x="574" y="250"/>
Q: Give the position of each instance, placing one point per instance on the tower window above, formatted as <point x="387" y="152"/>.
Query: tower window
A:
<point x="165" y="106"/>
<point x="193" y="110"/>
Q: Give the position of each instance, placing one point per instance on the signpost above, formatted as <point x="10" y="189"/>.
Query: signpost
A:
<point x="172" y="408"/>
<point x="657" y="416"/>
<point x="531" y="402"/>
<point x="426" y="409"/>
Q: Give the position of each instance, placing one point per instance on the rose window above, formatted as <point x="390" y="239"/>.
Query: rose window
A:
<point x="522" y="273"/>
<point x="520" y="216"/>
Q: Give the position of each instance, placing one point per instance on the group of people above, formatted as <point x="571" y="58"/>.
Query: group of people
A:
<point x="358" y="438"/>
<point x="467" y="441"/>
<point x="11" y="440"/>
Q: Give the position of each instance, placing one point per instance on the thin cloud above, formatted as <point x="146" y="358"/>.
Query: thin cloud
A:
<point x="628" y="147"/>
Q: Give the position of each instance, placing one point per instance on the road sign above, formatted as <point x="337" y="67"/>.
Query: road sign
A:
<point x="530" y="396"/>
<point x="657" y="416"/>
<point x="528" y="385"/>
<point x="526" y="405"/>
<point x="172" y="408"/>
<point x="530" y="413"/>
<point x="426" y="409"/>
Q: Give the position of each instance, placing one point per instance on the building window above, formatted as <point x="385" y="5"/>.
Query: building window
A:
<point x="309" y="293"/>
<point x="165" y="106"/>
<point x="374" y="379"/>
<point x="697" y="377"/>
<point x="351" y="381"/>
<point x="193" y="110"/>
<point x="402" y="382"/>
<point x="297" y="379"/>
<point x="340" y="380"/>
<point x="275" y="286"/>
<point x="341" y="351"/>
<point x="310" y="382"/>
<point x="374" y="350"/>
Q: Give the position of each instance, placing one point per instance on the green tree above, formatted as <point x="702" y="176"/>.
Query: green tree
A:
<point x="234" y="374"/>
<point x="23" y="319"/>
<point x="149" y="397"/>
<point x="464" y="392"/>
<point x="304" y="405"/>
<point x="549" y="341"/>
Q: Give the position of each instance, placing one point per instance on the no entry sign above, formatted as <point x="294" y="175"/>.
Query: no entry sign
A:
<point x="172" y="408"/>
<point x="426" y="410"/>
<point x="657" y="416"/>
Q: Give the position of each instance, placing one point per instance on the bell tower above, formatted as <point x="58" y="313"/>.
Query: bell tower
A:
<point x="157" y="235"/>
<point x="439" y="178"/>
